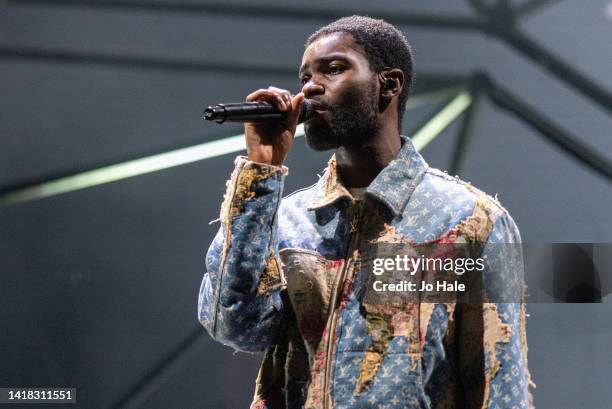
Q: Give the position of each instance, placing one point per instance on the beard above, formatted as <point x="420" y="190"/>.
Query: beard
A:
<point x="353" y="122"/>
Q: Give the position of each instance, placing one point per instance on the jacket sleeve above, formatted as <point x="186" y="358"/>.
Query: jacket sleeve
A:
<point x="493" y="344"/>
<point x="239" y="301"/>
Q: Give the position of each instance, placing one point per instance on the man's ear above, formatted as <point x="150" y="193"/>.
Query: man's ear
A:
<point x="391" y="82"/>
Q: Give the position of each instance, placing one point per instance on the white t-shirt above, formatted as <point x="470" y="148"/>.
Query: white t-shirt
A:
<point x="357" y="192"/>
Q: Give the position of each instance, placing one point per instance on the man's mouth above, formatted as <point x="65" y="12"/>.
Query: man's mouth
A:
<point x="318" y="110"/>
<point x="317" y="106"/>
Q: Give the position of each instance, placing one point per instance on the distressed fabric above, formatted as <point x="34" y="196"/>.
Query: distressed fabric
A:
<point x="288" y="277"/>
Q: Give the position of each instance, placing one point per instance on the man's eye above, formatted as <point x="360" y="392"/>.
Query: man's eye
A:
<point x="336" y="69"/>
<point x="304" y="80"/>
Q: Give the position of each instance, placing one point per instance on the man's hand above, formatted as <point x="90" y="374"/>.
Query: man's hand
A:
<point x="270" y="142"/>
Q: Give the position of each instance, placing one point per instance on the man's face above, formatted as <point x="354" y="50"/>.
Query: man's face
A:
<point x="337" y="78"/>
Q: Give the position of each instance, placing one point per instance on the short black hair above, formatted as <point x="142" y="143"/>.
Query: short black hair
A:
<point x="383" y="45"/>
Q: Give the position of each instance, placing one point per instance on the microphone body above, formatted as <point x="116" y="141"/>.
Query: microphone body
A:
<point x="258" y="111"/>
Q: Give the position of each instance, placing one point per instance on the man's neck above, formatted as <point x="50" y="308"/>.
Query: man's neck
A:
<point x="358" y="166"/>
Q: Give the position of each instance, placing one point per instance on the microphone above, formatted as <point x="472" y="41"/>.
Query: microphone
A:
<point x="258" y="111"/>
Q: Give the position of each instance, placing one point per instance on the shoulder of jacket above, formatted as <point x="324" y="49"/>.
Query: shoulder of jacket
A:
<point x="300" y="192"/>
<point x="483" y="199"/>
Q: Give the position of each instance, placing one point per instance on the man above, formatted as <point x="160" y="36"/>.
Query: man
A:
<point x="293" y="276"/>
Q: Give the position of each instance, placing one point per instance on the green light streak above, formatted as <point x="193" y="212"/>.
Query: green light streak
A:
<point x="441" y="120"/>
<point x="130" y="169"/>
<point x="236" y="143"/>
<point x="432" y="97"/>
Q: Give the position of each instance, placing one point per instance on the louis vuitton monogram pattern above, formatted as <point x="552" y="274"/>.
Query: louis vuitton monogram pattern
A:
<point x="328" y="344"/>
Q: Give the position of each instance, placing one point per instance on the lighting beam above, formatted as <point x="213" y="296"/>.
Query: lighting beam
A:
<point x="440" y="121"/>
<point x="161" y="161"/>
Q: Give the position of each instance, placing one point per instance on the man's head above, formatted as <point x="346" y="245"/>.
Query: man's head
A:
<point x="354" y="68"/>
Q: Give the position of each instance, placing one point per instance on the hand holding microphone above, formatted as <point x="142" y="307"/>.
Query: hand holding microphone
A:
<point x="271" y="116"/>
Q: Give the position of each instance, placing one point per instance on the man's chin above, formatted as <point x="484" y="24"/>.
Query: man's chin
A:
<point x="319" y="141"/>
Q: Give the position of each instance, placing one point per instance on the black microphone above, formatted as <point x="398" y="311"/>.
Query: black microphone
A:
<point x="258" y="111"/>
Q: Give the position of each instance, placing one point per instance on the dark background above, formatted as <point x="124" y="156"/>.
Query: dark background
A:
<point x="99" y="287"/>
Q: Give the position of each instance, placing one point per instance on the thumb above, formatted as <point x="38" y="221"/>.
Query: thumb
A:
<point x="294" y="113"/>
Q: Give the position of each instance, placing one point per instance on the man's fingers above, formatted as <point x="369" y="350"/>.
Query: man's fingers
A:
<point x="282" y="99"/>
<point x="285" y="95"/>
<point x="253" y="96"/>
<point x="269" y="96"/>
<point x="296" y="107"/>
<point x="296" y="101"/>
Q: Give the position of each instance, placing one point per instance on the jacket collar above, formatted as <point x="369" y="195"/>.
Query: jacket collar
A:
<point x="393" y="186"/>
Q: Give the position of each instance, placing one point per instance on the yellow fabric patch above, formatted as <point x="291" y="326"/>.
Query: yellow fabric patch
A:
<point x="272" y="277"/>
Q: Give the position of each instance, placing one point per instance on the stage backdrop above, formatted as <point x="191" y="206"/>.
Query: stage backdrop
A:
<point x="98" y="287"/>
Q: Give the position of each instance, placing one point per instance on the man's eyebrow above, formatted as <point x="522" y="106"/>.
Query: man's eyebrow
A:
<point x="326" y="58"/>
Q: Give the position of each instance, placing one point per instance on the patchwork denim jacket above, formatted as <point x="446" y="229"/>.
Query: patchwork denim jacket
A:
<point x="285" y="276"/>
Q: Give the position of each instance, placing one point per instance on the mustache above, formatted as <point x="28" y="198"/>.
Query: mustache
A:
<point x="317" y="104"/>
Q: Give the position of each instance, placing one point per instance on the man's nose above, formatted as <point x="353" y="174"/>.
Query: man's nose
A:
<point x="312" y="88"/>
